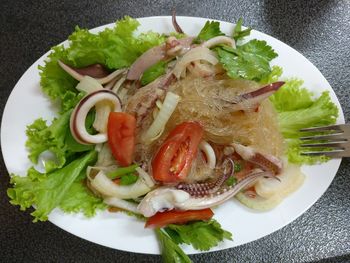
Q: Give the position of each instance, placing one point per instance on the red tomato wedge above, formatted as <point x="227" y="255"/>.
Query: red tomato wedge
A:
<point x="162" y="219"/>
<point x="121" y="136"/>
<point x="174" y="158"/>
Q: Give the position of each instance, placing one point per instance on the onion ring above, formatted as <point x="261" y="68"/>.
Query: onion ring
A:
<point x="77" y="120"/>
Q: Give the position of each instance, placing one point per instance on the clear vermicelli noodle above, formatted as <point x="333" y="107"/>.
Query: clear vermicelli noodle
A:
<point x="209" y="102"/>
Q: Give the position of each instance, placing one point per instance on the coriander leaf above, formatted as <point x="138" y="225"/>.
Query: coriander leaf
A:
<point x="128" y="179"/>
<point x="249" y="61"/>
<point x="238" y="33"/>
<point x="47" y="193"/>
<point x="153" y="72"/>
<point x="171" y="252"/>
<point x="78" y="198"/>
<point x="211" y="29"/>
<point x="201" y="235"/>
<point x="275" y="74"/>
<point x="237" y="167"/>
<point x="260" y="48"/>
<point x="231" y="181"/>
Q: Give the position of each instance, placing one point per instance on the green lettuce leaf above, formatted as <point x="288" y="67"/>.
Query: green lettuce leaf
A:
<point x="57" y="138"/>
<point x="292" y="96"/>
<point x="78" y="198"/>
<point x="201" y="235"/>
<point x="56" y="83"/>
<point x="298" y="109"/>
<point x="46" y="193"/>
<point x="153" y="72"/>
<point x="249" y="61"/>
<point x="115" y="48"/>
<point x="294" y="154"/>
<point x="321" y="112"/>
<point x="211" y="29"/>
<point x="41" y="137"/>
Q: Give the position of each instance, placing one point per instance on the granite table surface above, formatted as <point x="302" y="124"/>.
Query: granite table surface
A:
<point x="320" y="30"/>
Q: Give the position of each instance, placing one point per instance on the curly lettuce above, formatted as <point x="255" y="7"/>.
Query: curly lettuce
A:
<point x="115" y="48"/>
<point x="46" y="192"/>
<point x="297" y="108"/>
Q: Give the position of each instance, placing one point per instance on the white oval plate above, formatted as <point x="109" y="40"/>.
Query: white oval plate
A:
<point x="116" y="230"/>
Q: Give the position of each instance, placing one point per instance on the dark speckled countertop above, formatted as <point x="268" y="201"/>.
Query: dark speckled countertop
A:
<point x="320" y="30"/>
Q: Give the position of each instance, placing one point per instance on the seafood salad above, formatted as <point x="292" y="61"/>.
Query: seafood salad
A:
<point x="166" y="127"/>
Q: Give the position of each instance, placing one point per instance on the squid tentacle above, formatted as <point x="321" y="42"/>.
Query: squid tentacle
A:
<point x="207" y="188"/>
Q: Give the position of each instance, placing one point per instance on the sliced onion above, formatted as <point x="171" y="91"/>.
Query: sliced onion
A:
<point x="209" y="153"/>
<point x="219" y="40"/>
<point x="259" y="203"/>
<point x="103" y="109"/>
<point x="120" y="203"/>
<point x="118" y="84"/>
<point x="145" y="177"/>
<point x="198" y="53"/>
<point x="77" y="120"/>
<point x="111" y="84"/>
<point x="107" y="187"/>
<point x="105" y="157"/>
<point x="154" y="55"/>
<point x="170" y="102"/>
<point x="71" y="71"/>
<point x="146" y="60"/>
<point x="123" y="94"/>
<point x="111" y="76"/>
<point x="88" y="85"/>
<point x="99" y="147"/>
<point x="289" y="181"/>
<point x="201" y="70"/>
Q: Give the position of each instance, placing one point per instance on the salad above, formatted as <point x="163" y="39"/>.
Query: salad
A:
<point x="166" y="128"/>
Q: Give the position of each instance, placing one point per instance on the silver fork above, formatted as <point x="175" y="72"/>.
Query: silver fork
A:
<point x="336" y="140"/>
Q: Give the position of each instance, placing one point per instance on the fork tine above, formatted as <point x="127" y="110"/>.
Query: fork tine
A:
<point x="336" y="136"/>
<point x="335" y="144"/>
<point x="334" y="153"/>
<point x="338" y="127"/>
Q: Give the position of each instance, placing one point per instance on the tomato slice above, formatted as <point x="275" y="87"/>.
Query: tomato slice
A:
<point x="174" y="158"/>
<point x="162" y="219"/>
<point x="121" y="136"/>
